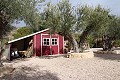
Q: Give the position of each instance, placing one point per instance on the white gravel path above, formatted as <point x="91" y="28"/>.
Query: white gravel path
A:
<point x="61" y="68"/>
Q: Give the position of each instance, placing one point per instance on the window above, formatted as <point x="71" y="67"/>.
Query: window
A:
<point x="46" y="41"/>
<point x="54" y="41"/>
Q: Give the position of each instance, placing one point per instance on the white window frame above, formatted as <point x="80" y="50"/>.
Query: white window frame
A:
<point x="44" y="41"/>
<point x="54" y="42"/>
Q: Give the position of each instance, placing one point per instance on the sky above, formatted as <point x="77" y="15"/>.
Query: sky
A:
<point x="113" y="5"/>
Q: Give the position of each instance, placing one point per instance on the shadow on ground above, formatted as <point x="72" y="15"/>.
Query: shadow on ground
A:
<point x="28" y="73"/>
<point x="108" y="56"/>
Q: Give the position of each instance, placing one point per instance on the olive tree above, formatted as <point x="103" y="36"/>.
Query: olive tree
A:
<point x="11" y="10"/>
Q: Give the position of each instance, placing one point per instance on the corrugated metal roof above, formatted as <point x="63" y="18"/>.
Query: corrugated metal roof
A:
<point x="27" y="36"/>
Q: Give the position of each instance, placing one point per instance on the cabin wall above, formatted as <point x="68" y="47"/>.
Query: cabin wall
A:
<point x="37" y="47"/>
<point x="38" y="44"/>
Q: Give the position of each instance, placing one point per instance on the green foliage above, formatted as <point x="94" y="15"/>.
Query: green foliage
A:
<point x="67" y="18"/>
<point x="60" y="17"/>
<point x="87" y="22"/>
<point x="51" y="17"/>
<point x="114" y="27"/>
<point x="91" y="21"/>
<point x="11" y="10"/>
<point x="91" y="40"/>
<point x="117" y="43"/>
<point x="95" y="17"/>
<point x="22" y="32"/>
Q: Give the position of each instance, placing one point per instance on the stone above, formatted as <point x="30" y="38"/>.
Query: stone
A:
<point x="80" y="55"/>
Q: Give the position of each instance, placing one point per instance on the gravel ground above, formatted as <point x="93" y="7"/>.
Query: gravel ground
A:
<point x="60" y="68"/>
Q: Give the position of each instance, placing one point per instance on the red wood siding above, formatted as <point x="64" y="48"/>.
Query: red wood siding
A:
<point x="61" y="44"/>
<point x="38" y="51"/>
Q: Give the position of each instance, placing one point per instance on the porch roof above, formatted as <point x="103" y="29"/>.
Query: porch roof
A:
<point x="27" y="36"/>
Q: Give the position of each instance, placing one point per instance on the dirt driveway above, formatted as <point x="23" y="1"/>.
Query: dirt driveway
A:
<point x="61" y="68"/>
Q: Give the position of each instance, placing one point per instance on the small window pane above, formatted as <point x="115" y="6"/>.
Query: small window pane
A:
<point x="56" y="40"/>
<point x="44" y="43"/>
<point x="47" y="43"/>
<point x="44" y="39"/>
<point x="52" y="43"/>
<point x="47" y="39"/>
<point x="55" y="43"/>
<point x="52" y="39"/>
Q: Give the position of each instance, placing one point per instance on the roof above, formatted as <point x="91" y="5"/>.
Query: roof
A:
<point x="27" y="36"/>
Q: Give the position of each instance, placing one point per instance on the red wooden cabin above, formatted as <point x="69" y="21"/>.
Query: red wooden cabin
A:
<point x="43" y="43"/>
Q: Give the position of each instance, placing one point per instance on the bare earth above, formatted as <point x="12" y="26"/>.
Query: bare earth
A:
<point x="61" y="68"/>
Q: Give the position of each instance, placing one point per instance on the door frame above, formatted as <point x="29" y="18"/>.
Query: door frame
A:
<point x="50" y="42"/>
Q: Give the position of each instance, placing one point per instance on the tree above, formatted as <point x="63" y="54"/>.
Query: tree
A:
<point x="23" y="31"/>
<point x="11" y="10"/>
<point x="90" y="20"/>
<point x="112" y="33"/>
<point x="109" y="34"/>
<point x="61" y="19"/>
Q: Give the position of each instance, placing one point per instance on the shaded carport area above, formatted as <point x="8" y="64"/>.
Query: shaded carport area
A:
<point x="21" y="48"/>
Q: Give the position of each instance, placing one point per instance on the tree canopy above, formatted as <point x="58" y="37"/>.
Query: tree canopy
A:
<point x="85" y="21"/>
<point x="91" y="20"/>
<point x="63" y="18"/>
<point x="11" y="10"/>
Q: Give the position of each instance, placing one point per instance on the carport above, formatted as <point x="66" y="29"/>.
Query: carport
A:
<point x="20" y="48"/>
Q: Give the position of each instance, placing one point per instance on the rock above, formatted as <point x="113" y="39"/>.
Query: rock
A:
<point x="80" y="55"/>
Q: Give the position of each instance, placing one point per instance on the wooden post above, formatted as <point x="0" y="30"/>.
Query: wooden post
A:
<point x="50" y="45"/>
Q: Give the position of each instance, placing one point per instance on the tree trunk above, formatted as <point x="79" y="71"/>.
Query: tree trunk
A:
<point x="76" y="49"/>
<point x="74" y="42"/>
<point x="2" y="50"/>
<point x="0" y="54"/>
<point x="107" y="43"/>
<point x="0" y="61"/>
<point x="83" y="37"/>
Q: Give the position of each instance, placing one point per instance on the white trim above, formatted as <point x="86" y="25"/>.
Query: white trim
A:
<point x="50" y="46"/>
<point x="58" y="45"/>
<point x="45" y="34"/>
<point x="28" y="36"/>
<point x="34" y="44"/>
<point x="41" y="44"/>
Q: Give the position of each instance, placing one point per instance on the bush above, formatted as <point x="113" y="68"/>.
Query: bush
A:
<point x="22" y="32"/>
